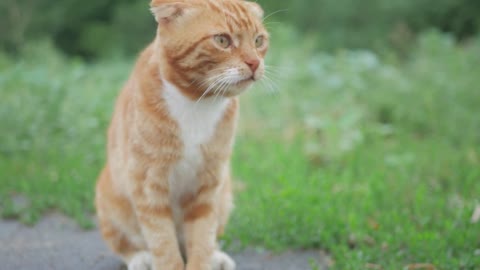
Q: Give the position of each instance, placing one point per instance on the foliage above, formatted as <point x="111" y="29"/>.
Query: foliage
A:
<point x="379" y="161"/>
<point x="374" y="159"/>
<point x="108" y="27"/>
<point x="375" y="23"/>
<point x="86" y="28"/>
<point x="53" y="115"/>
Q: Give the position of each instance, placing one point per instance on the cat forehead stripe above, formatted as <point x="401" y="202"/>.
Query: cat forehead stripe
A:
<point x="237" y="15"/>
<point x="241" y="20"/>
<point x="213" y="5"/>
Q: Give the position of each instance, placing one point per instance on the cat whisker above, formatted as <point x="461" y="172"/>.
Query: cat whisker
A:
<point x="273" y="13"/>
<point x="271" y="86"/>
<point x="277" y="69"/>
<point x="222" y="87"/>
<point x="269" y="25"/>
<point x="217" y="80"/>
<point x="266" y="86"/>
<point x="217" y="84"/>
<point x="275" y="75"/>
<point x="210" y="79"/>
<point x="271" y="22"/>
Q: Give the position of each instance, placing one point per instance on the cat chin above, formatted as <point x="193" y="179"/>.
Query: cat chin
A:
<point x="238" y="89"/>
<point x="241" y="87"/>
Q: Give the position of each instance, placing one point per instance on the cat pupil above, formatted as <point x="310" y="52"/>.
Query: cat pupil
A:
<point x="259" y="41"/>
<point x="223" y="41"/>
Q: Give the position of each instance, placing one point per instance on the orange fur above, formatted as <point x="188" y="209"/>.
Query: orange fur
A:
<point x="165" y="192"/>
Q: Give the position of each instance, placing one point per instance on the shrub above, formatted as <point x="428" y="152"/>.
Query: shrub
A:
<point x="95" y="28"/>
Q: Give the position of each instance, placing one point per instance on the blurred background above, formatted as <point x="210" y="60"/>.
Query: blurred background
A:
<point x="93" y="29"/>
<point x="363" y="140"/>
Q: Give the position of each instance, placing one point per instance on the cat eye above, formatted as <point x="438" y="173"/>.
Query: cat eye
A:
<point x="259" y="41"/>
<point x="223" y="41"/>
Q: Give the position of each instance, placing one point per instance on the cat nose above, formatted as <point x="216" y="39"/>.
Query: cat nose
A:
<point x="253" y="64"/>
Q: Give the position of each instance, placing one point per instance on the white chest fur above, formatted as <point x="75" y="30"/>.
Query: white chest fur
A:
<point x="197" y="121"/>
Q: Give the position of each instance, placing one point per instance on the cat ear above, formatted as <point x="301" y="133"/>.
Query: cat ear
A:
<point x="166" y="11"/>
<point x="255" y="8"/>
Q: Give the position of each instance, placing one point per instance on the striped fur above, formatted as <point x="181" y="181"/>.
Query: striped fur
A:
<point x="164" y="194"/>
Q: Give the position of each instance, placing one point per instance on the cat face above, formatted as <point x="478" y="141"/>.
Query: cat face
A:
<point x="210" y="47"/>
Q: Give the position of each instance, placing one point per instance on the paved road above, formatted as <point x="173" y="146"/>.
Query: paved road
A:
<point x="56" y="243"/>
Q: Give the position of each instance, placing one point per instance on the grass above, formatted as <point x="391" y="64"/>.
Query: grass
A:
<point x="374" y="159"/>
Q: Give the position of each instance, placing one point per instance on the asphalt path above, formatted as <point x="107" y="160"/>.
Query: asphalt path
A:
<point x="57" y="243"/>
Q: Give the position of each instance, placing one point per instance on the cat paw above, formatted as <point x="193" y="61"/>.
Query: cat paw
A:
<point x="221" y="261"/>
<point x="140" y="261"/>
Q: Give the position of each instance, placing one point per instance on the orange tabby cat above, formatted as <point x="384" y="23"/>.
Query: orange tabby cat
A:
<point x="165" y="192"/>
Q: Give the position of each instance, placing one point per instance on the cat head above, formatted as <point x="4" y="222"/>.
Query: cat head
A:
<point x="210" y="47"/>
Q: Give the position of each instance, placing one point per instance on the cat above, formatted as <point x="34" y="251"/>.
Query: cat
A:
<point x="164" y="195"/>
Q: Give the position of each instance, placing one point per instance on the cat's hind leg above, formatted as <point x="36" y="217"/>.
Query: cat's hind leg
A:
<point x="132" y="254"/>
<point x="118" y="225"/>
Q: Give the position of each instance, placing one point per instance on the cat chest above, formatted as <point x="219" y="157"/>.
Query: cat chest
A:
<point x="183" y="177"/>
<point x="197" y="122"/>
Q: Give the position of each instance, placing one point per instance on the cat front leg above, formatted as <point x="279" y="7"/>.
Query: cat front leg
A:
<point x="154" y="214"/>
<point x="202" y="252"/>
<point x="200" y="225"/>
<point x="221" y="261"/>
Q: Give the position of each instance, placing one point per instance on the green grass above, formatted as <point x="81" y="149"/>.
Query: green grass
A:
<point x="374" y="159"/>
